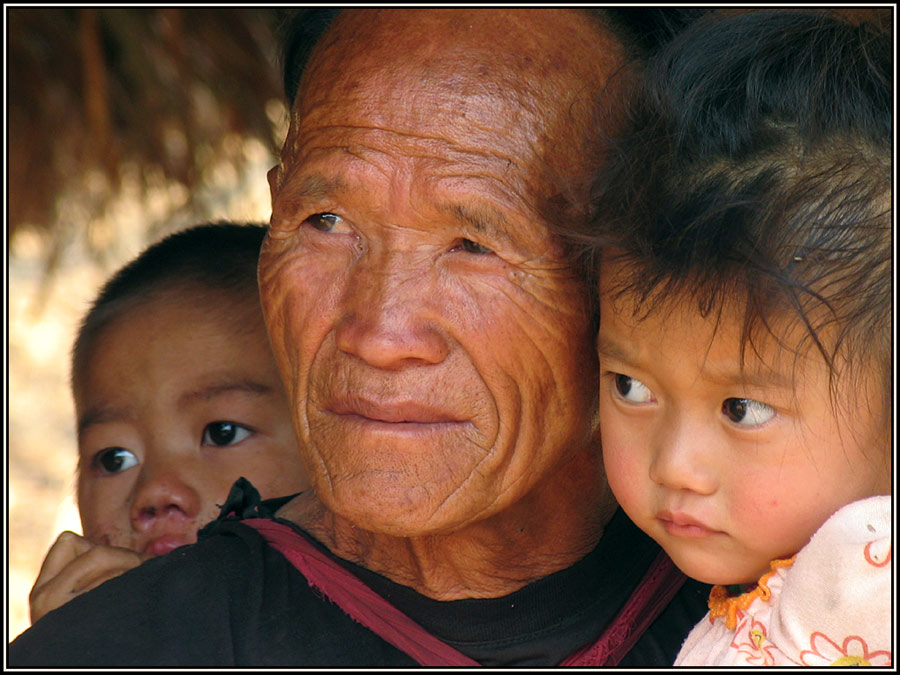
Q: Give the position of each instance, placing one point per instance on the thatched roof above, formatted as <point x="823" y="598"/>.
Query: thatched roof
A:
<point x="158" y="92"/>
<point x="92" y="91"/>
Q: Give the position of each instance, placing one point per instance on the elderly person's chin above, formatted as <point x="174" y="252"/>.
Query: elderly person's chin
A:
<point x="393" y="503"/>
<point x="411" y="479"/>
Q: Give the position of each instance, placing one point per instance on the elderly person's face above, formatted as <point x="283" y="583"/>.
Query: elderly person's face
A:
<point x="436" y="347"/>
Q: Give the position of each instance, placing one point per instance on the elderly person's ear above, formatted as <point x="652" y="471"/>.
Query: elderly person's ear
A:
<point x="274" y="178"/>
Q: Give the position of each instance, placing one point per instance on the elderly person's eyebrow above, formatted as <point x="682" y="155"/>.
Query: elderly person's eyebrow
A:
<point x="482" y="218"/>
<point x="316" y="186"/>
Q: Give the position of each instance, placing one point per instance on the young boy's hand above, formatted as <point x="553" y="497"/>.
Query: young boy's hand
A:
<point x="74" y="566"/>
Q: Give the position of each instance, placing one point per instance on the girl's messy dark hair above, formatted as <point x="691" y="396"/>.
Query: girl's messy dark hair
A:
<point x="756" y="173"/>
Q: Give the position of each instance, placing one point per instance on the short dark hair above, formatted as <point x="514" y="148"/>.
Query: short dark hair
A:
<point x="219" y="256"/>
<point x="757" y="170"/>
<point x="644" y="30"/>
<point x="299" y="36"/>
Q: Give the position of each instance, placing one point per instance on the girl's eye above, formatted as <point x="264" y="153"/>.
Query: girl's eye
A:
<point x="224" y="433"/>
<point x="632" y="390"/>
<point x="470" y="246"/>
<point x="324" y="222"/>
<point x="115" y="460"/>
<point x="747" y="412"/>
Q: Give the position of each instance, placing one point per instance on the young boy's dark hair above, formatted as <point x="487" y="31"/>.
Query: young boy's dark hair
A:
<point x="208" y="259"/>
<point x="761" y="177"/>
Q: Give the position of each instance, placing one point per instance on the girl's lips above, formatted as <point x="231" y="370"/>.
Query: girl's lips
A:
<point x="683" y="525"/>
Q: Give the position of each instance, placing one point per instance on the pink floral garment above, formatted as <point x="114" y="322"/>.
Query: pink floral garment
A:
<point x="831" y="607"/>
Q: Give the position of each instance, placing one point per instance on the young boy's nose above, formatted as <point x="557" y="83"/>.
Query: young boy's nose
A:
<point x="164" y="495"/>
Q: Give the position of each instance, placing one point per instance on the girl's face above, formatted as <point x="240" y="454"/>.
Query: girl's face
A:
<point x="176" y="403"/>
<point x="726" y="467"/>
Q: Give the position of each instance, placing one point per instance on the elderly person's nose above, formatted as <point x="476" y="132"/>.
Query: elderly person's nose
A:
<point x="388" y="314"/>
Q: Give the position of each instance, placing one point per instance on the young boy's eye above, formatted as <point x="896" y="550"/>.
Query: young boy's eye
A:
<point x="224" y="433"/>
<point x="115" y="460"/>
<point x="632" y="390"/>
<point x="747" y="412"/>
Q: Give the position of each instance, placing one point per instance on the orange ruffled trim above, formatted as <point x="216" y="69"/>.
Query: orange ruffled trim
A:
<point x="720" y="604"/>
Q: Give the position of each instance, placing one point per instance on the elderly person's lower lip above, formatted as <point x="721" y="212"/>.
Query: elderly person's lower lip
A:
<point x="397" y="413"/>
<point x="404" y="426"/>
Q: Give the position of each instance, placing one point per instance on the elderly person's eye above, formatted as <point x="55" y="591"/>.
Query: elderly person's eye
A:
<point x="324" y="222"/>
<point x="470" y="246"/>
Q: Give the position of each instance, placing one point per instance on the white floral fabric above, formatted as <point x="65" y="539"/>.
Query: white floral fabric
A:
<point x="832" y="607"/>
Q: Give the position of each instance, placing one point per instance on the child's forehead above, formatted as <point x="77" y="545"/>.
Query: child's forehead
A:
<point x="717" y="339"/>
<point x="197" y="311"/>
<point x="218" y="309"/>
<point x="776" y="357"/>
<point x="164" y="327"/>
<point x="141" y="376"/>
<point x="192" y="292"/>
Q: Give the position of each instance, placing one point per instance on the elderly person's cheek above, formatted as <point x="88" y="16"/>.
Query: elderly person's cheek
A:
<point x="545" y="382"/>
<point x="567" y="371"/>
<point x="284" y="295"/>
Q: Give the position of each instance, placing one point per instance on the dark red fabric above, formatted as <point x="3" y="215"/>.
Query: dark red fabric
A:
<point x="357" y="600"/>
<point x="365" y="606"/>
<point x="656" y="589"/>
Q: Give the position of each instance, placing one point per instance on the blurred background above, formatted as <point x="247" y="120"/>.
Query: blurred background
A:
<point x="124" y="125"/>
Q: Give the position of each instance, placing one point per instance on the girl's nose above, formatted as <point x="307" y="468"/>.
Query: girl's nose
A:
<point x="683" y="457"/>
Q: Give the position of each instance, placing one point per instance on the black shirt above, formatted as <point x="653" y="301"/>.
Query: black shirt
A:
<point x="231" y="600"/>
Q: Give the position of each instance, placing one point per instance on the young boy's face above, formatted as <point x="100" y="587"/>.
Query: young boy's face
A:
<point x="728" y="469"/>
<point x="177" y="402"/>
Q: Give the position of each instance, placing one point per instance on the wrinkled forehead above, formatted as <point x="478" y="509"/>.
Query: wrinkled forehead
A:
<point x="516" y="82"/>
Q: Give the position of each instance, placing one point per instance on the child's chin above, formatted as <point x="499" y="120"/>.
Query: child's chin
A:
<point x="714" y="572"/>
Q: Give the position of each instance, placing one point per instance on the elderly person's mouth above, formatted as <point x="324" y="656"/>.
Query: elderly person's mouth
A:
<point x="396" y="415"/>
